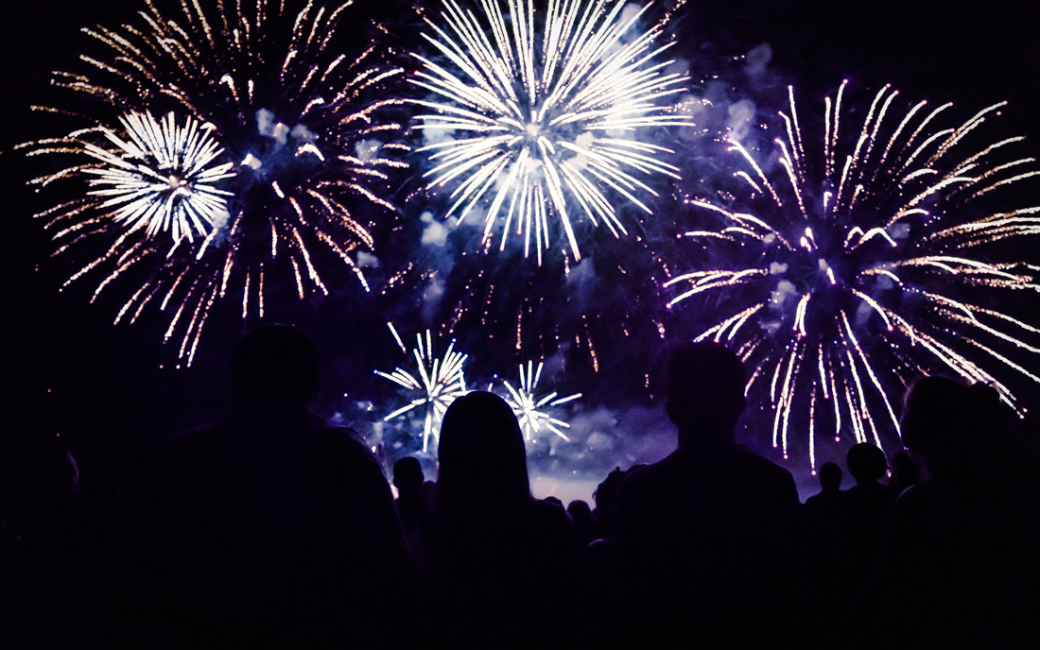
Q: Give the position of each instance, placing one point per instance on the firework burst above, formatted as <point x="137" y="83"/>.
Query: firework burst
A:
<point x="162" y="176"/>
<point x="866" y="263"/>
<point x="536" y="112"/>
<point x="528" y="406"/>
<point x="266" y="170"/>
<point x="436" y="384"/>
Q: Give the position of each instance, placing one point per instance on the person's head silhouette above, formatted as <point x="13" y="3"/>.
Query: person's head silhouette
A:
<point x="866" y="462"/>
<point x="481" y="452"/>
<point x="705" y="392"/>
<point x="274" y="365"/>
<point x="936" y="420"/>
<point x="943" y="419"/>
<point x="830" y="477"/>
<point x="408" y="476"/>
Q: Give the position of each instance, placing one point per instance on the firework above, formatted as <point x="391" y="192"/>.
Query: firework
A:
<point x="861" y="265"/>
<point x="527" y="405"/>
<point x="536" y="113"/>
<point x="162" y="175"/>
<point x="265" y="171"/>
<point x="436" y="384"/>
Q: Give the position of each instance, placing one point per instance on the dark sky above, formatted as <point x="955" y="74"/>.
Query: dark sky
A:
<point x="106" y="391"/>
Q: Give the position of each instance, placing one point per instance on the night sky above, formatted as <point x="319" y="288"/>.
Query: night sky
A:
<point x="100" y="388"/>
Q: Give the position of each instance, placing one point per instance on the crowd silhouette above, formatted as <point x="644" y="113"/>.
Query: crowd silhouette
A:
<point x="270" y="528"/>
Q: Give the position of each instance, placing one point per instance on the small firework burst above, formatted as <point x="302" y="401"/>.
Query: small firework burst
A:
<point x="434" y="385"/>
<point x="161" y="176"/>
<point x="530" y="408"/>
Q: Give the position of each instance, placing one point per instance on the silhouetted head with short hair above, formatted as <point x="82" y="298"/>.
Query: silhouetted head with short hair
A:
<point x="275" y="365"/>
<point x="942" y="418"/>
<point x="830" y="477"/>
<point x="867" y="463"/>
<point x="481" y="453"/>
<point x="408" y="475"/>
<point x="705" y="391"/>
<point x="937" y="419"/>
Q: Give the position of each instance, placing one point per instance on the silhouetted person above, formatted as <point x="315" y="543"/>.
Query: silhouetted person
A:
<point x="408" y="479"/>
<point x="605" y="497"/>
<point x="581" y="515"/>
<point x="959" y="565"/>
<point x="822" y="509"/>
<point x="867" y="464"/>
<point x="830" y="486"/>
<point x="493" y="557"/>
<point x="868" y="502"/>
<point x="860" y="523"/>
<point x="267" y="528"/>
<point x="822" y="512"/>
<point x="64" y="557"/>
<point x="706" y="540"/>
<point x="904" y="472"/>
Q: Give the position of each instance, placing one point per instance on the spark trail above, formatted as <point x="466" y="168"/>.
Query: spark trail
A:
<point x="857" y="266"/>
<point x="267" y="169"/>
<point x="535" y="115"/>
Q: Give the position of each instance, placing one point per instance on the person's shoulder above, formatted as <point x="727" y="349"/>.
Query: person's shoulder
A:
<point x="176" y="464"/>
<point x="200" y="436"/>
<point x="343" y="447"/>
<point x="551" y="523"/>
<point x="648" y="474"/>
<point x="767" y="477"/>
<point x="649" y="482"/>
<point x="917" y="513"/>
<point x="546" y="511"/>
<point x="336" y="433"/>
<point x="917" y="497"/>
<point x="760" y="464"/>
<point x="339" y="439"/>
<point x="184" y="445"/>
<point x="818" y="500"/>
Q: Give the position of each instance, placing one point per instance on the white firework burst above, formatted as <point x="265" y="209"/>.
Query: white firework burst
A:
<point x="528" y="406"/>
<point x="543" y="108"/>
<point x="436" y="383"/>
<point x="161" y="174"/>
